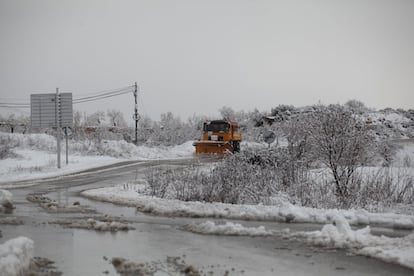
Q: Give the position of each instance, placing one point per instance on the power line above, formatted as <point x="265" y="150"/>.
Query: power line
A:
<point x="14" y="105"/>
<point x="118" y="92"/>
<point x="87" y="99"/>
<point x="94" y="97"/>
<point x="108" y="91"/>
<point x="13" y="99"/>
<point x="15" y="110"/>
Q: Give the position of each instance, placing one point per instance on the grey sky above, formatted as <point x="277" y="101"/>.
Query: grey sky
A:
<point x="193" y="57"/>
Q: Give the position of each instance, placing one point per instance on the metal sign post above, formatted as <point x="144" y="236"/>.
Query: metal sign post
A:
<point x="57" y="121"/>
<point x="52" y="110"/>
<point x="67" y="147"/>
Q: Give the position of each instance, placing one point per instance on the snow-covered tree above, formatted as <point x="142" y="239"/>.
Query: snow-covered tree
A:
<point x="116" y="118"/>
<point x="283" y="112"/>
<point x="340" y="142"/>
<point x="356" y="106"/>
<point x="13" y="122"/>
<point x="227" y="113"/>
<point x="95" y="119"/>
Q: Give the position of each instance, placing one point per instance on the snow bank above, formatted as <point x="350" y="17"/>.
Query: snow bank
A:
<point x="340" y="235"/>
<point x="123" y="149"/>
<point x="15" y="256"/>
<point x="284" y="212"/>
<point x="229" y="228"/>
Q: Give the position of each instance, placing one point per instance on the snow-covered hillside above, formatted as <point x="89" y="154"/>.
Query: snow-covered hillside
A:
<point x="390" y="124"/>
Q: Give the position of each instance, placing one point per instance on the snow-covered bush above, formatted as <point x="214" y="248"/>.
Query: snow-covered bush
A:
<point x="259" y="176"/>
<point x="385" y="186"/>
<point x="239" y="178"/>
<point x="158" y="181"/>
<point x="6" y="152"/>
<point x="7" y="143"/>
<point x="34" y="141"/>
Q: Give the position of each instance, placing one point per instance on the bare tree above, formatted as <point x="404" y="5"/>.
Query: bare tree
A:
<point x="341" y="142"/>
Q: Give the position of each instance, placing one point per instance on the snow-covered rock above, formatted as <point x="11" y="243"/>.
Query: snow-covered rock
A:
<point x="6" y="200"/>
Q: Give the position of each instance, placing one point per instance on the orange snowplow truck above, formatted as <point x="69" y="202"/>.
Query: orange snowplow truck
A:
<point x="219" y="137"/>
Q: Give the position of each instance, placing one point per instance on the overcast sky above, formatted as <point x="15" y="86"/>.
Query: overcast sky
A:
<point x="193" y="57"/>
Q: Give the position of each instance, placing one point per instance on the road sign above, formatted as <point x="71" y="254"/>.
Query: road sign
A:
<point x="52" y="110"/>
<point x="43" y="110"/>
<point x="269" y="137"/>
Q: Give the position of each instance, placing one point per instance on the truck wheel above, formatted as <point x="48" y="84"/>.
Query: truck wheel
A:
<point x="236" y="146"/>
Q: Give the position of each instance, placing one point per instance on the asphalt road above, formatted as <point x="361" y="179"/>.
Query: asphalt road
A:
<point x="161" y="242"/>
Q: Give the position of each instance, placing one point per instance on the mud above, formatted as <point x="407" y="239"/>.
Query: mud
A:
<point x="11" y="221"/>
<point x="170" y="266"/>
<point x="52" y="206"/>
<point x="42" y="267"/>
<point x="108" y="225"/>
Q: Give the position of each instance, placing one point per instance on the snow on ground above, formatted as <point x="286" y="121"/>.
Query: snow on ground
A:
<point x="127" y="150"/>
<point x="39" y="164"/>
<point x="36" y="156"/>
<point x="284" y="212"/>
<point x="15" y="256"/>
<point x="229" y="229"/>
<point x="340" y="235"/>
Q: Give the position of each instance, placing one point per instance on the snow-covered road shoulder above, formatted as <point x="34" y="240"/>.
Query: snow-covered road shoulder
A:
<point x="228" y="229"/>
<point x="362" y="242"/>
<point x="284" y="212"/>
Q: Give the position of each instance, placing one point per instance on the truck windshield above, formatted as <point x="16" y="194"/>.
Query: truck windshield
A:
<point x="216" y="126"/>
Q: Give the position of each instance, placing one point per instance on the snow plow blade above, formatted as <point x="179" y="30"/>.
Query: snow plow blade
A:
<point x="213" y="147"/>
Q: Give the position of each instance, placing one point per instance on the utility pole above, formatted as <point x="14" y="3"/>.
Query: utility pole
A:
<point x="57" y="117"/>
<point x="136" y="115"/>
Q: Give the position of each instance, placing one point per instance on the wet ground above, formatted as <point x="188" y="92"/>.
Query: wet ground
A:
<point x="160" y="243"/>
